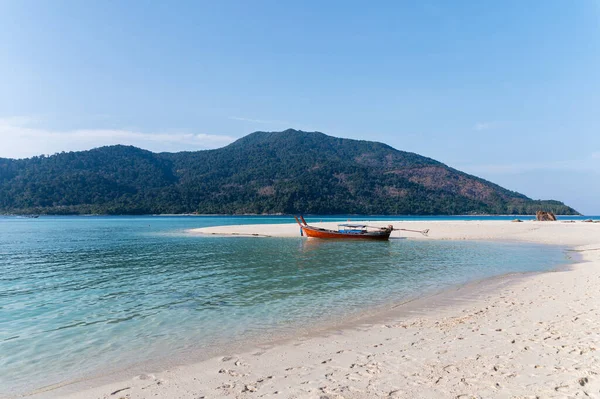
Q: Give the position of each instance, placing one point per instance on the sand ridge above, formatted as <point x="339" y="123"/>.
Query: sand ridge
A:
<point x="538" y="336"/>
<point x="559" y="233"/>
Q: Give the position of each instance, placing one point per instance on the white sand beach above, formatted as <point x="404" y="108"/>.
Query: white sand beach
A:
<point x="535" y="336"/>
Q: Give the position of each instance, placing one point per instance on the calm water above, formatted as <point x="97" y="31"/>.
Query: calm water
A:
<point x="78" y="294"/>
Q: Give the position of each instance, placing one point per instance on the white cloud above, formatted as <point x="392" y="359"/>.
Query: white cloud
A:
<point x="589" y="163"/>
<point x="18" y="140"/>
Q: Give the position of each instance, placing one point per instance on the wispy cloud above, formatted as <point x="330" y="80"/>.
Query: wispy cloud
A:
<point x="263" y="121"/>
<point x="486" y="125"/>
<point x="588" y="163"/>
<point x="20" y="140"/>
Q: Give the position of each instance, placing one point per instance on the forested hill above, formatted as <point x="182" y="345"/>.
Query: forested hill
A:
<point x="279" y="172"/>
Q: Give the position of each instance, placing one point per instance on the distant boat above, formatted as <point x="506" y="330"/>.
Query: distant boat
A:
<point x="346" y="231"/>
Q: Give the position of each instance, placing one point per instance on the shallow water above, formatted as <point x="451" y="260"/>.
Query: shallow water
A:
<point x="78" y="294"/>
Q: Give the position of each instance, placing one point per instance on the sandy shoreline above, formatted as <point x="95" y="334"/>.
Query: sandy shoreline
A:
<point x="537" y="335"/>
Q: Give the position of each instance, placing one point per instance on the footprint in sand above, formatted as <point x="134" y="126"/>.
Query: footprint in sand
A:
<point x="144" y="377"/>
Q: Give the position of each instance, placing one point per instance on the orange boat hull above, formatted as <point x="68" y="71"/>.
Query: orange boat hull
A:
<point x="323" y="233"/>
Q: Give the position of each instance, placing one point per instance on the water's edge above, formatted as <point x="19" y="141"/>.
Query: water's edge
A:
<point x="426" y="303"/>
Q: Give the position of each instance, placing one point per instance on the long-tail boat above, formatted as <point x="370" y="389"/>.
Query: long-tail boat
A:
<point x="346" y="231"/>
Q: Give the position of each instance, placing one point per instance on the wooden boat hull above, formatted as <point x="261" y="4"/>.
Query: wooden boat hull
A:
<point x="331" y="234"/>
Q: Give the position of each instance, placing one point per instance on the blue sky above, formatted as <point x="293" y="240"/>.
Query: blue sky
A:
<point x="509" y="91"/>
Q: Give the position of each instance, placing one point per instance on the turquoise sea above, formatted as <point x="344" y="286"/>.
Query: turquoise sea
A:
<point x="82" y="295"/>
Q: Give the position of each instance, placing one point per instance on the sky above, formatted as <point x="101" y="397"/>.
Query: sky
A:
<point x="508" y="91"/>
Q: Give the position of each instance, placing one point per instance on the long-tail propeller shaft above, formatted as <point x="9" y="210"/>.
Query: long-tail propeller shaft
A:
<point x="424" y="232"/>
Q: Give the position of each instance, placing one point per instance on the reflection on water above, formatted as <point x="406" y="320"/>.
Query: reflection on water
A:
<point x="77" y="294"/>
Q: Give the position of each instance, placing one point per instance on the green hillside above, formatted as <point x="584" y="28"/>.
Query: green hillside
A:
<point x="277" y="172"/>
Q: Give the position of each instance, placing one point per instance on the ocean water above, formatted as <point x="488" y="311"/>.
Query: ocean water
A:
<point x="80" y="295"/>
